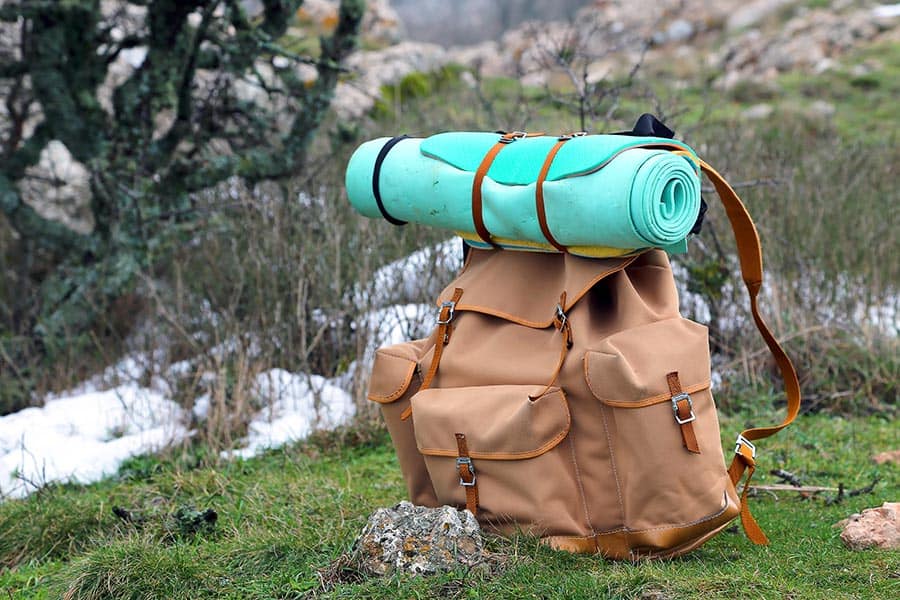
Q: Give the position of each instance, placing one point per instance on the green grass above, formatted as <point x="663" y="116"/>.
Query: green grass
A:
<point x="285" y="517"/>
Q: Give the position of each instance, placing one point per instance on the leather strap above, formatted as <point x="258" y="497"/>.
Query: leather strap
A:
<point x="684" y="412"/>
<point x="376" y="175"/>
<point x="442" y="338"/>
<point x="539" y="194"/>
<point x="561" y="322"/>
<point x="750" y="255"/>
<point x="480" y="173"/>
<point x="467" y="473"/>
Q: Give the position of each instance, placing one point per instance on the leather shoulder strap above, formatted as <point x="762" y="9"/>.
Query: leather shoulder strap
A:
<point x="750" y="255"/>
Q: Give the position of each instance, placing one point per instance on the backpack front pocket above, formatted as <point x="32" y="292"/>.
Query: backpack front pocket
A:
<point x="517" y="445"/>
<point x="665" y="436"/>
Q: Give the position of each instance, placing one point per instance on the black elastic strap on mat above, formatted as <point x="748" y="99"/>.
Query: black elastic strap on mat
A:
<point x="376" y="173"/>
<point x="648" y="125"/>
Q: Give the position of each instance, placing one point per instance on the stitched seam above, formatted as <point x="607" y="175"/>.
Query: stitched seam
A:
<point x="612" y="462"/>
<point x="587" y="514"/>
<point x="392" y="355"/>
<point x="601" y="277"/>
<point x="553" y="442"/>
<point x="399" y="391"/>
<point x="503" y="455"/>
<point x="689" y="523"/>
<point x="504" y="315"/>
<point x="650" y="401"/>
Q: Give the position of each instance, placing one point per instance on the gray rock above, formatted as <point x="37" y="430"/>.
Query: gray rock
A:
<point x="680" y="30"/>
<point x="752" y="13"/>
<point x="822" y="109"/>
<point x="374" y="69"/>
<point x="418" y="540"/>
<point x="758" y="112"/>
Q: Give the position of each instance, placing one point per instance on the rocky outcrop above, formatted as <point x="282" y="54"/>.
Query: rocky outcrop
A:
<point x="754" y="41"/>
<point x="380" y="26"/>
<point x="57" y="186"/>
<point x="418" y="540"/>
<point x="356" y="95"/>
<point x="810" y="41"/>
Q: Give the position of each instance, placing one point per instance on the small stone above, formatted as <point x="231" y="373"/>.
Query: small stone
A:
<point x="873" y="528"/>
<point x="822" y="109"/>
<point x="890" y="457"/>
<point x="418" y="540"/>
<point x="824" y="65"/>
<point x="758" y="112"/>
<point x="752" y="13"/>
<point x="680" y="30"/>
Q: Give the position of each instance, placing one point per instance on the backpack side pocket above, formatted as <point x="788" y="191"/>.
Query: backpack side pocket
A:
<point x="395" y="378"/>
<point x="655" y="379"/>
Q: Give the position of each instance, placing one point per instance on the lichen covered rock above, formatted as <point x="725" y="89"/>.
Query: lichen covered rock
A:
<point x="418" y="540"/>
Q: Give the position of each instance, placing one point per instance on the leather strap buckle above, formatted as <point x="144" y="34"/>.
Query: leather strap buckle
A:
<point x="509" y="138"/>
<point x="742" y="441"/>
<point x="465" y="460"/>
<point x="561" y="317"/>
<point x="569" y="136"/>
<point x="678" y="398"/>
<point x="451" y="306"/>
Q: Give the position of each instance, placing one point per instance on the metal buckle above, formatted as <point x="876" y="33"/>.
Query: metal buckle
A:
<point x="561" y="315"/>
<point x="677" y="398"/>
<point x="569" y="136"/>
<point x="512" y="136"/>
<point x="465" y="460"/>
<point x="448" y="304"/>
<point x="742" y="441"/>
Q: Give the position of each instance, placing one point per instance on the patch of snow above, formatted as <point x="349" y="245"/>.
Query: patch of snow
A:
<point x="295" y="406"/>
<point x="886" y="11"/>
<point x="134" y="57"/>
<point x="422" y="274"/>
<point x="83" y="437"/>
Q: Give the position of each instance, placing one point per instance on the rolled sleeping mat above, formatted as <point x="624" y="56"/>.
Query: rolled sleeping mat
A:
<point x="602" y="195"/>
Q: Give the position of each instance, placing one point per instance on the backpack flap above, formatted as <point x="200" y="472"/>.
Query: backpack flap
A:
<point x="392" y="372"/>
<point x="503" y="452"/>
<point x="525" y="288"/>
<point x="505" y="423"/>
<point x="629" y="369"/>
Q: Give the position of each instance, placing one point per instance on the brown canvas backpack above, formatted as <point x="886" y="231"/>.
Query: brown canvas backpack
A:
<point x="566" y="397"/>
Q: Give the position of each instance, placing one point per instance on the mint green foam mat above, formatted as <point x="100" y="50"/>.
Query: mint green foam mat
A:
<point x="604" y="194"/>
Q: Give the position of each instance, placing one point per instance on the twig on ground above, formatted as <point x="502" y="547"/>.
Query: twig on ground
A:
<point x="782" y="487"/>
<point x="837" y="499"/>
<point x="787" y="477"/>
<point x="865" y="489"/>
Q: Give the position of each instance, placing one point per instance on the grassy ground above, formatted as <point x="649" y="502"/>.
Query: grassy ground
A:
<point x="285" y="517"/>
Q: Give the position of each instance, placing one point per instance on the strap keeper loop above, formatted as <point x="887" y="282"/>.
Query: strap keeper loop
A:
<point x="742" y="442"/>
